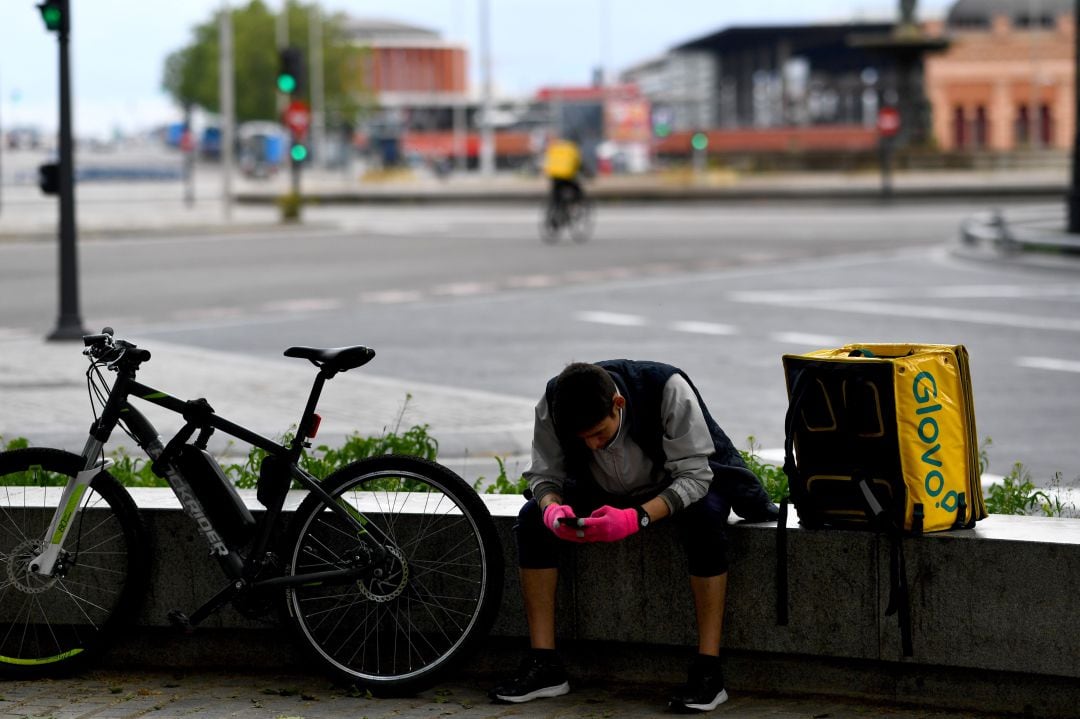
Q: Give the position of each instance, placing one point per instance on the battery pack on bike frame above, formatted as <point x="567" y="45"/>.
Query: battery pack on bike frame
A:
<point x="220" y="500"/>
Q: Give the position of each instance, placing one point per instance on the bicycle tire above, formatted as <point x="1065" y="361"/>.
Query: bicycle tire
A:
<point x="440" y="596"/>
<point x="549" y="224"/>
<point x="580" y="221"/>
<point x="51" y="626"/>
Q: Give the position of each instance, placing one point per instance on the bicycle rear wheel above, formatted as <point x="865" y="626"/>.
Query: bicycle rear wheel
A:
<point x="415" y="614"/>
<point x="54" y="625"/>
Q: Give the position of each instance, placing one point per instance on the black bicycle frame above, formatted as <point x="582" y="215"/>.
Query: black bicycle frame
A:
<point x="200" y="416"/>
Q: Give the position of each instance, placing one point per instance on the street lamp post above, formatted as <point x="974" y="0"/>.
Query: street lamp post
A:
<point x="487" y="129"/>
<point x="69" y="323"/>
<point x="1073" y="198"/>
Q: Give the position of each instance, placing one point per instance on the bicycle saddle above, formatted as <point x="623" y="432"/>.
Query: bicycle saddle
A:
<point x="334" y="359"/>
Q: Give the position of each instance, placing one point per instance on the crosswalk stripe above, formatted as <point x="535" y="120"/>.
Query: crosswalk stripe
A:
<point x="1049" y="363"/>
<point x="704" y="328"/>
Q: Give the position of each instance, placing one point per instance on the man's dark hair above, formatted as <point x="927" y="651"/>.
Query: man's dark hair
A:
<point x="582" y="398"/>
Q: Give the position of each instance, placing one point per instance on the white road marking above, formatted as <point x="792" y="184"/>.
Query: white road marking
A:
<point x="611" y="318"/>
<point x="313" y="304"/>
<point x="803" y="338"/>
<point x="929" y="312"/>
<point x="866" y="300"/>
<point x="531" y="281"/>
<point x="1049" y="363"/>
<point x="391" y="297"/>
<point x="883" y="293"/>
<point x="704" y="328"/>
<point x="464" y="289"/>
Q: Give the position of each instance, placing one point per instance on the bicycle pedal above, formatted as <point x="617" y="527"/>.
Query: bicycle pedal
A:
<point x="180" y="621"/>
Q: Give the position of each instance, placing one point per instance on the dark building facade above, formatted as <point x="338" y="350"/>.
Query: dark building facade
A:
<point x="794" y="75"/>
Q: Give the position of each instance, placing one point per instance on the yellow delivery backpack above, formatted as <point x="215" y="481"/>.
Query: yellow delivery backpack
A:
<point x="881" y="437"/>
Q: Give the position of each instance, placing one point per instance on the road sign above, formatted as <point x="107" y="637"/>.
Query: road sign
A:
<point x="888" y="121"/>
<point x="297" y="117"/>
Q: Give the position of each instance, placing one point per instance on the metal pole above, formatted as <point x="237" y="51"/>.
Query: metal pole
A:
<point x="282" y="38"/>
<point x="487" y="134"/>
<point x="1073" y="198"/>
<point x="188" y="148"/>
<point x="1" y="154"/>
<point x="318" y="95"/>
<point x="228" y="112"/>
<point x="69" y="325"/>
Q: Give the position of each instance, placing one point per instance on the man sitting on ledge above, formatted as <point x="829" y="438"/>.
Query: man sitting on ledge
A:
<point x="617" y="446"/>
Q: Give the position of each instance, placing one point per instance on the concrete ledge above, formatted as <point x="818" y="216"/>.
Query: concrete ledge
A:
<point x="993" y="610"/>
<point x="531" y="194"/>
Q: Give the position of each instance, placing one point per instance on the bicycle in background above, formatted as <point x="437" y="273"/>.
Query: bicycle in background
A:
<point x="566" y="213"/>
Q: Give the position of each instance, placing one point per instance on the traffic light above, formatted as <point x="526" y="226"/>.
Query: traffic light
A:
<point x="52" y="12"/>
<point x="298" y="152"/>
<point x="700" y="141"/>
<point x="291" y="70"/>
<point x="49" y="178"/>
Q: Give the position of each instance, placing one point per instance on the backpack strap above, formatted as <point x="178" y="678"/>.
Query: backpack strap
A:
<point x="791" y="469"/>
<point x="782" y="565"/>
<point x="899" y="596"/>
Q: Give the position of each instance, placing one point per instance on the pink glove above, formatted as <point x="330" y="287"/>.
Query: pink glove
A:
<point x="608" y="524"/>
<point x="560" y="519"/>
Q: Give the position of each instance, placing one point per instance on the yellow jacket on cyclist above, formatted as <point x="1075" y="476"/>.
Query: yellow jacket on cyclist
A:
<point x="562" y="160"/>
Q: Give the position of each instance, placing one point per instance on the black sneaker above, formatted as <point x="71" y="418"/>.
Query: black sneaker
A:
<point x="536" y="679"/>
<point x="704" y="691"/>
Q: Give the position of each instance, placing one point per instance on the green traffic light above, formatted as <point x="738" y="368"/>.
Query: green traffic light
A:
<point x="663" y="130"/>
<point x="52" y="16"/>
<point x="298" y="153"/>
<point x="286" y="83"/>
<point x="700" y="141"/>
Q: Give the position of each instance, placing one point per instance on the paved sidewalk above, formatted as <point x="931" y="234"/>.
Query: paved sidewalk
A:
<point x="167" y="695"/>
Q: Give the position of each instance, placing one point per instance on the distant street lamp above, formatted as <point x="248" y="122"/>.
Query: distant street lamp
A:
<point x="69" y="326"/>
<point x="1073" y="198"/>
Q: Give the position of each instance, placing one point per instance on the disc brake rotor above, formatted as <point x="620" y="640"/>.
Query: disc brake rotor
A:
<point x="19" y="573"/>
<point x="391" y="584"/>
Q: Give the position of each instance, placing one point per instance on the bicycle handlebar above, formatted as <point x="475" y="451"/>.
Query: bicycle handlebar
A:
<point x="104" y="348"/>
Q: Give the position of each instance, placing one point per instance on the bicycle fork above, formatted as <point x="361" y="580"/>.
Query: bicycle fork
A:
<point x="69" y="506"/>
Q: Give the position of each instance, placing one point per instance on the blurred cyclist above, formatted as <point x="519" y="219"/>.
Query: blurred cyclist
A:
<point x="562" y="163"/>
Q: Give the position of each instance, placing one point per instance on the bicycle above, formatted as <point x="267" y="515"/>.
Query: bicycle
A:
<point x="389" y="571"/>
<point x="566" y="211"/>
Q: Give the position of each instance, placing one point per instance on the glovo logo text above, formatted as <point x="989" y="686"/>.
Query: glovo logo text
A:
<point x="925" y="389"/>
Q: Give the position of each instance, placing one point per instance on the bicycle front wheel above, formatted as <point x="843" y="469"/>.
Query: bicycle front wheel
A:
<point x="550" y="223"/>
<point x="581" y="220"/>
<point x="55" y="624"/>
<point x="415" y="611"/>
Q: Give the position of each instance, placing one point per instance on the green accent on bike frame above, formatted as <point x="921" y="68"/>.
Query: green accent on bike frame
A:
<point x="69" y="510"/>
<point x="353" y="511"/>
<point x="155" y="395"/>
<point x="43" y="660"/>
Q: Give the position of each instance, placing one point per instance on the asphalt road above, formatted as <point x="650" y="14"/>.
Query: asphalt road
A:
<point x="469" y="297"/>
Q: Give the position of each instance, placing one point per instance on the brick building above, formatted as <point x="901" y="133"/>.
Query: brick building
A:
<point x="1007" y="80"/>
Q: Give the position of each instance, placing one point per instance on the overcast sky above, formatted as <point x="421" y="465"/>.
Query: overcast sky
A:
<point x="119" y="46"/>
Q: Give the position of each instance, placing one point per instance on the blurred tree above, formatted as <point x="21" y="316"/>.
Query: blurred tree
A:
<point x="191" y="73"/>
